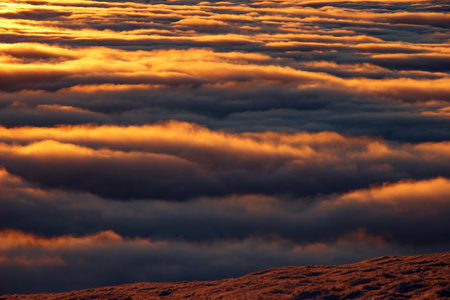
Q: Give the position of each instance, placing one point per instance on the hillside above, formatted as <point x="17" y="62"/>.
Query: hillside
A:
<point x="388" y="277"/>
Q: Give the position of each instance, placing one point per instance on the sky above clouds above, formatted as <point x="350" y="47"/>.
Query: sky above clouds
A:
<point x="195" y="140"/>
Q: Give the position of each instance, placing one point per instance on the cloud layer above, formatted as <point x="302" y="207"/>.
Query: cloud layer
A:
<point x="178" y="161"/>
<point x="208" y="237"/>
<point x="365" y="68"/>
<point x="189" y="140"/>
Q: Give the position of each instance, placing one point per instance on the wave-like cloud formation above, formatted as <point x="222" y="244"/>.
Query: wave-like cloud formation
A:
<point x="205" y="195"/>
<point x="364" y="68"/>
<point x="180" y="161"/>
<point x="220" y="236"/>
<point x="201" y="140"/>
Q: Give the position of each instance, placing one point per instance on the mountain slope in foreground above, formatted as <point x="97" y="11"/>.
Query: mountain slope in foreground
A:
<point x="388" y="277"/>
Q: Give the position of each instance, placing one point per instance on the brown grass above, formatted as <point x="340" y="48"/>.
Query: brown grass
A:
<point x="389" y="277"/>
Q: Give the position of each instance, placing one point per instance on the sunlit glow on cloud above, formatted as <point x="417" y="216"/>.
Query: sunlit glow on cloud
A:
<point x="188" y="140"/>
<point x="159" y="157"/>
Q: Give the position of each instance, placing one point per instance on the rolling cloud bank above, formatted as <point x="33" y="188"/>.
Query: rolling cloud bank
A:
<point x="192" y="140"/>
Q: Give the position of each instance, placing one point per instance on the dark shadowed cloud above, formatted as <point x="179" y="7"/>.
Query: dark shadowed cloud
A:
<point x="179" y="161"/>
